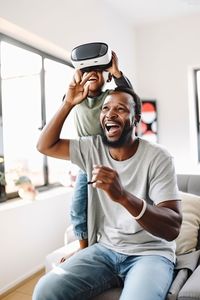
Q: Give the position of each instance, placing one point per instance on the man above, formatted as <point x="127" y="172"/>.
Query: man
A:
<point x="133" y="210"/>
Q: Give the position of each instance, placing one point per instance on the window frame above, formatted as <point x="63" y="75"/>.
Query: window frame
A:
<point x="44" y="55"/>
<point x="197" y="110"/>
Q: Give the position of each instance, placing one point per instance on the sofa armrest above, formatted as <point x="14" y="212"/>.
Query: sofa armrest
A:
<point x="191" y="289"/>
<point x="177" y="284"/>
<point x="185" y="265"/>
<point x="53" y="259"/>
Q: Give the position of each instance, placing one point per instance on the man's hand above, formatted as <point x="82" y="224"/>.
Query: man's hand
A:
<point x="64" y="258"/>
<point x="114" y="69"/>
<point x="78" y="88"/>
<point x="108" y="180"/>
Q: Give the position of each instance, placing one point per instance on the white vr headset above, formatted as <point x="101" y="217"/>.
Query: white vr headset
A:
<point x="92" y="56"/>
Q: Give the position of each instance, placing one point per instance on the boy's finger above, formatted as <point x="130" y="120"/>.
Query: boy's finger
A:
<point x="77" y="76"/>
<point x="86" y="77"/>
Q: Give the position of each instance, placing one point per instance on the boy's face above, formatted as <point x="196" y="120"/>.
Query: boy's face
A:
<point x="96" y="83"/>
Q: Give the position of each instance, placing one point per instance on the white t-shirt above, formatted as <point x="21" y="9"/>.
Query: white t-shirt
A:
<point x="149" y="174"/>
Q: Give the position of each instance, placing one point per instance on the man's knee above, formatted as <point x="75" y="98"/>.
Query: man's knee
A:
<point x="50" y="287"/>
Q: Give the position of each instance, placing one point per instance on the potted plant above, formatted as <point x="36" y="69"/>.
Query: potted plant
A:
<point x="26" y="189"/>
<point x="2" y="187"/>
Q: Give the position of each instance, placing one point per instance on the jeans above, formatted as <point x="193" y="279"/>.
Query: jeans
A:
<point x="78" y="211"/>
<point x="96" y="269"/>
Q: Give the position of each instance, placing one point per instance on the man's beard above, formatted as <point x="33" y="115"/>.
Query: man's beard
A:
<point x="123" y="139"/>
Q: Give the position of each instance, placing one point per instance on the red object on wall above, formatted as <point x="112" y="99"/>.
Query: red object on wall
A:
<point x="147" y="128"/>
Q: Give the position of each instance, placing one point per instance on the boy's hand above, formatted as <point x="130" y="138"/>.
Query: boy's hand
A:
<point x="114" y="69"/>
<point x="78" y="88"/>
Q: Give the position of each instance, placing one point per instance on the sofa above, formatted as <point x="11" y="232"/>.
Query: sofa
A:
<point x="186" y="283"/>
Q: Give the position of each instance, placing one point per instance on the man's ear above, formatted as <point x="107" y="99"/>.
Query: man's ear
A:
<point x="109" y="77"/>
<point x="135" y="121"/>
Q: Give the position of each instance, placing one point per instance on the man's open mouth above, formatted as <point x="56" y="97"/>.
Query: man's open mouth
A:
<point x="112" y="128"/>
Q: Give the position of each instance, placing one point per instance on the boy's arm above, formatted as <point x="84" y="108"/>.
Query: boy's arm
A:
<point x="123" y="81"/>
<point x="119" y="78"/>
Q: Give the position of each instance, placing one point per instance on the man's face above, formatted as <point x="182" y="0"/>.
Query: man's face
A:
<point x="96" y="82"/>
<point x="117" y="118"/>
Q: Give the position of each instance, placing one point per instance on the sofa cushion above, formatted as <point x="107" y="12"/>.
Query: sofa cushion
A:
<point x="53" y="259"/>
<point x="188" y="237"/>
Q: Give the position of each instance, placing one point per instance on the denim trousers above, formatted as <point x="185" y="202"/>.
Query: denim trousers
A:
<point x="78" y="212"/>
<point x="97" y="268"/>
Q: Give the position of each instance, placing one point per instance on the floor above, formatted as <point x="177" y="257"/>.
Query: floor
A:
<point x="24" y="292"/>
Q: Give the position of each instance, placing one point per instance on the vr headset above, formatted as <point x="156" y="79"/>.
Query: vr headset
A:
<point x="92" y="56"/>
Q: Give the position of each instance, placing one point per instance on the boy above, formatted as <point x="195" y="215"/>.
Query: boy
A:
<point x="87" y="124"/>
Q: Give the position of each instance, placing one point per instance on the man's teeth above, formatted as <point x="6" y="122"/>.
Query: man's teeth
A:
<point x="111" y="125"/>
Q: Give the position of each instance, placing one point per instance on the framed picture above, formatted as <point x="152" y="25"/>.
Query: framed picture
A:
<point x="147" y="128"/>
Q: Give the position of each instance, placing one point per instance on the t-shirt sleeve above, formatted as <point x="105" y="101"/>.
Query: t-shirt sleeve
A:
<point x="123" y="81"/>
<point x="79" y="151"/>
<point x="163" y="183"/>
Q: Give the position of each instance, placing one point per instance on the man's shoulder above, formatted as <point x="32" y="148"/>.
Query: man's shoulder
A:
<point x="86" y="144"/>
<point x="89" y="144"/>
<point x="155" y="148"/>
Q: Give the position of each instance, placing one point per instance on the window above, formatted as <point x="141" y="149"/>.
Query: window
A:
<point x="197" y="94"/>
<point x="32" y="86"/>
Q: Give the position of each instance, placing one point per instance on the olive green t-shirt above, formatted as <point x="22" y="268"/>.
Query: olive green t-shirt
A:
<point x="86" y="115"/>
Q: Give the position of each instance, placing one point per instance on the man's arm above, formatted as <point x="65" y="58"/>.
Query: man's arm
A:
<point x="119" y="78"/>
<point x="162" y="220"/>
<point x="49" y="142"/>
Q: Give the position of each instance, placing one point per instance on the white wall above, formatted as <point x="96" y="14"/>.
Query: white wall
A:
<point x="166" y="52"/>
<point x="29" y="230"/>
<point x="69" y="23"/>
